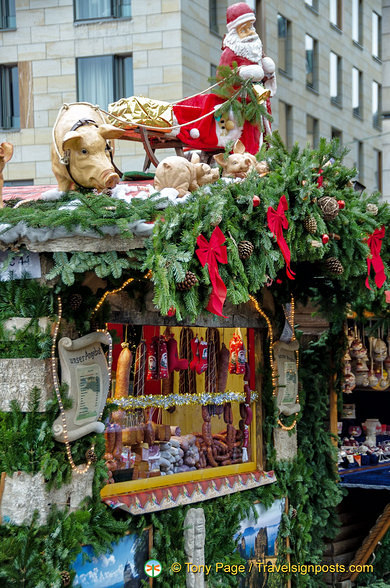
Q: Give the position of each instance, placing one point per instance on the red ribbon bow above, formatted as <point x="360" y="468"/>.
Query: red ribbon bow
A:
<point x="375" y="243"/>
<point x="277" y="222"/>
<point x="212" y="252"/>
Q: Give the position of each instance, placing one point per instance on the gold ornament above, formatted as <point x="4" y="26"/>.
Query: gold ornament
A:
<point x="138" y="110"/>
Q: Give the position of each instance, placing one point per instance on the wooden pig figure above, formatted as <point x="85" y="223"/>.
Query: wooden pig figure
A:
<point x="183" y="175"/>
<point x="81" y="152"/>
<point x="240" y="163"/>
<point x="6" y="152"/>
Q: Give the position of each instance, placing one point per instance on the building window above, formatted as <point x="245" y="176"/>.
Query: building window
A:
<point x="85" y="10"/>
<point x="213" y="70"/>
<point x="11" y="183"/>
<point x="285" y="123"/>
<point x="358" y="158"/>
<point x="217" y="16"/>
<point x="335" y="13"/>
<point x="376" y="105"/>
<point x="311" y="62"/>
<point x="284" y="44"/>
<point x="357" y="94"/>
<point x="312" y="134"/>
<point x="376" y="35"/>
<point x="378" y="170"/>
<point x="105" y="79"/>
<point x="336" y="134"/>
<point x="335" y="78"/>
<point x="9" y="97"/>
<point x="313" y="4"/>
<point x="7" y="14"/>
<point x="357" y="29"/>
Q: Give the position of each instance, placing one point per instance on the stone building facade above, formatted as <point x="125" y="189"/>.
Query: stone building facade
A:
<point x="174" y="45"/>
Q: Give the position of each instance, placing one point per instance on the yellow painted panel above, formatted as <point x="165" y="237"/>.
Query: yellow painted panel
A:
<point x="173" y="479"/>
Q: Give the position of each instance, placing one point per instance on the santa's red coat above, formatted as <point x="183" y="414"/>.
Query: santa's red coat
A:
<point x="190" y="109"/>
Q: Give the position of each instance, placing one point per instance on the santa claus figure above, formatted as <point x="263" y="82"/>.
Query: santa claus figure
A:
<point x="243" y="46"/>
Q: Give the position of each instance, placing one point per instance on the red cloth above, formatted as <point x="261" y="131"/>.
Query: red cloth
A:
<point x="277" y="221"/>
<point x="375" y="260"/>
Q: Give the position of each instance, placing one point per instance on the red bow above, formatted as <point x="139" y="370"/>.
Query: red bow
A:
<point x="211" y="252"/>
<point x="277" y="222"/>
<point x="375" y="243"/>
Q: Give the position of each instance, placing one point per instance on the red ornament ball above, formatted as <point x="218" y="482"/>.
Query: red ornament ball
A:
<point x="256" y="201"/>
<point x="341" y="204"/>
<point x="325" y="238"/>
<point x="171" y="311"/>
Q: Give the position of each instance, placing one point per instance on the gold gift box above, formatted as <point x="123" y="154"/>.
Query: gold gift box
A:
<point x="138" y="110"/>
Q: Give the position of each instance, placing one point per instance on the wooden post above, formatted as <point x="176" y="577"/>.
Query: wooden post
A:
<point x="6" y="152"/>
<point x="333" y="408"/>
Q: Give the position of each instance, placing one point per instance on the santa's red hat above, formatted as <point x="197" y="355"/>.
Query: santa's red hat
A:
<point x="238" y="14"/>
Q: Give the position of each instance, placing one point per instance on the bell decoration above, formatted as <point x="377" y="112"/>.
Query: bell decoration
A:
<point x="310" y="224"/>
<point x="334" y="265"/>
<point x="329" y="207"/>
<point x="245" y="249"/>
<point x="189" y="281"/>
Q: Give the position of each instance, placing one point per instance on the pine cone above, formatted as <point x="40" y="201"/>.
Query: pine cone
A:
<point x="334" y="265"/>
<point x="91" y="456"/>
<point x="293" y="513"/>
<point x="189" y="281"/>
<point x="329" y="207"/>
<point x="310" y="224"/>
<point x="65" y="578"/>
<point x="372" y="209"/>
<point x="75" y="301"/>
<point x="245" y="249"/>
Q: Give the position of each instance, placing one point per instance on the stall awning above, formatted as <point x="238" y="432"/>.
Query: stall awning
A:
<point x="372" y="478"/>
<point x="141" y="502"/>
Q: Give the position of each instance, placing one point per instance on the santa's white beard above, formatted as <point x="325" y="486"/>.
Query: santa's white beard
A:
<point x="251" y="47"/>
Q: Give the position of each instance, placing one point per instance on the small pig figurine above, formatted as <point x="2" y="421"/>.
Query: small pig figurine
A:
<point x="183" y="175"/>
<point x="81" y="153"/>
<point x="240" y="163"/>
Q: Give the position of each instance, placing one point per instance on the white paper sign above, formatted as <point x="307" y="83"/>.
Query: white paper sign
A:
<point x="285" y="360"/>
<point x="27" y="265"/>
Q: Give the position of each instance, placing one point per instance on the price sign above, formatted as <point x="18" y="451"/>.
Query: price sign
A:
<point x="27" y="265"/>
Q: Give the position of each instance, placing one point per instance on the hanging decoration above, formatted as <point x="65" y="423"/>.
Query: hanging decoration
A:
<point x="212" y="252"/>
<point x="122" y="379"/>
<point x="375" y="244"/>
<point x="277" y="221"/>
<point x="187" y="378"/>
<point x="165" y="402"/>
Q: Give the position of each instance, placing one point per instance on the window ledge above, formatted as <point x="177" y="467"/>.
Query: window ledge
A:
<point x="337" y="103"/>
<point x="358" y="45"/>
<point x="311" y="89"/>
<point x="312" y="9"/>
<point x="12" y="130"/>
<point x="357" y="115"/>
<point x="377" y="59"/>
<point x="87" y="21"/>
<point x="285" y="74"/>
<point x="215" y="33"/>
<point x="377" y="128"/>
<point x="335" y="28"/>
<point x="8" y="29"/>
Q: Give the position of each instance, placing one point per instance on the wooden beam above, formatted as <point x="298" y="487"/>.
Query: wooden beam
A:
<point x="26" y="95"/>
